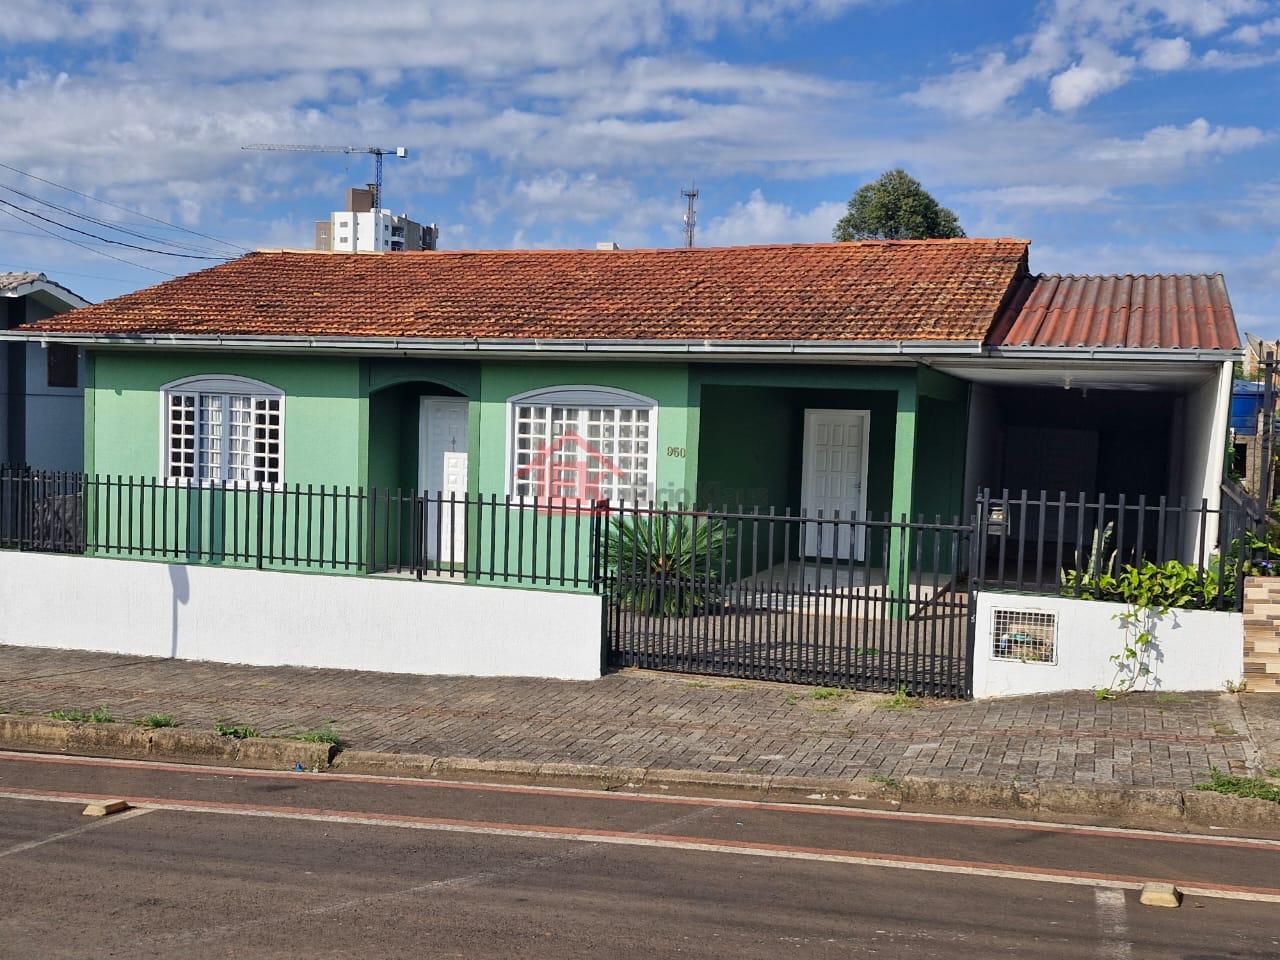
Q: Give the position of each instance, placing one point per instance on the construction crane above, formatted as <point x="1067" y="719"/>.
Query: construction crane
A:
<point x="378" y="154"/>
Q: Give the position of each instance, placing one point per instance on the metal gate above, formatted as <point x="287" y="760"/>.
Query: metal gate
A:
<point x="874" y="605"/>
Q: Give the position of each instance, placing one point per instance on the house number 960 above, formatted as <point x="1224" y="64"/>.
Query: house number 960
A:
<point x="677" y="452"/>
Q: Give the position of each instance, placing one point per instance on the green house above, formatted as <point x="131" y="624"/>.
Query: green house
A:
<point x="861" y="380"/>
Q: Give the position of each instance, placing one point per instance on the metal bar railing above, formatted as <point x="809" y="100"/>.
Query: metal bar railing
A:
<point x="324" y="528"/>
<point x="1051" y="543"/>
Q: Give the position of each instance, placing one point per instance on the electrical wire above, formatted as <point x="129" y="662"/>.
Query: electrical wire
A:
<point x="113" y="226"/>
<point x="101" y="253"/>
<point x="118" y="206"/>
<point x="119" y="243"/>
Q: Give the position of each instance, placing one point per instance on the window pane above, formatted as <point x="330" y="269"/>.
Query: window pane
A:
<point x="581" y="453"/>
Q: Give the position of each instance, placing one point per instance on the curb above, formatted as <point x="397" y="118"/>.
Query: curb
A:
<point x="1130" y="807"/>
<point x="127" y="742"/>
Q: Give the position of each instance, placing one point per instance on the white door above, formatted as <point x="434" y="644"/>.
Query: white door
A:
<point x="442" y="471"/>
<point x="834" y="481"/>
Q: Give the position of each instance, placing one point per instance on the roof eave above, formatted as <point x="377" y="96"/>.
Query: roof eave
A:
<point x="509" y="346"/>
<point x="1206" y="354"/>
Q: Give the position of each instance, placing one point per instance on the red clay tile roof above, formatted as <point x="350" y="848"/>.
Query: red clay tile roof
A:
<point x="943" y="290"/>
<point x="1171" y="312"/>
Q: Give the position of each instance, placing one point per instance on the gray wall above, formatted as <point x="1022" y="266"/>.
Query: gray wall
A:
<point x="54" y="435"/>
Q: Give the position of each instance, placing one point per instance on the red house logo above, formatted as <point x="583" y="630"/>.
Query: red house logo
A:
<point x="568" y="471"/>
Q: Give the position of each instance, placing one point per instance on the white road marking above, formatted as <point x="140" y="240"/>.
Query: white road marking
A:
<point x="692" y="844"/>
<point x="831" y="810"/>
<point x="83" y="828"/>
<point x="1113" y="924"/>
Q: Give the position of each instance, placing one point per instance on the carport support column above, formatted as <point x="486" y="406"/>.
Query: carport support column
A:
<point x="904" y="462"/>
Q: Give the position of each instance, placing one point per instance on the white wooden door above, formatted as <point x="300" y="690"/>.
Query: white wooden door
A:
<point x="834" y="481"/>
<point x="442" y="471"/>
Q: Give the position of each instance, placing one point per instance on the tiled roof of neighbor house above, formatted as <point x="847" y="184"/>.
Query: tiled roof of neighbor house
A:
<point x="941" y="290"/>
<point x="1170" y="312"/>
<point x="13" y="284"/>
<point x="12" y="281"/>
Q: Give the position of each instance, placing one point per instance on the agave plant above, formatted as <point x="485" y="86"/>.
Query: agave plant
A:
<point x="1092" y="573"/>
<point x="659" y="562"/>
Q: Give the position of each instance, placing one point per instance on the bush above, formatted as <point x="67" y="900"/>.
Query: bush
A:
<point x="1166" y="586"/>
<point x="659" y="563"/>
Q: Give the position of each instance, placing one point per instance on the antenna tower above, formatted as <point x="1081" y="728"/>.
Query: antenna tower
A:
<point x="691" y="215"/>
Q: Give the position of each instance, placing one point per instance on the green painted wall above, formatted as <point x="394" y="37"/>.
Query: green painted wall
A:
<point x="325" y="421"/>
<point x="667" y="384"/>
<point x="726" y="433"/>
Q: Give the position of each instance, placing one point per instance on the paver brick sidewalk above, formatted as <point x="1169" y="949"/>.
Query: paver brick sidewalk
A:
<point x="653" y="720"/>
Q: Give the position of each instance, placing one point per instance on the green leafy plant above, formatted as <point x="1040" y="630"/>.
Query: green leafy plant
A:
<point x="327" y="735"/>
<point x="826" y="693"/>
<point x="154" y="721"/>
<point x="901" y="701"/>
<point x="226" y="728"/>
<point x="659" y="562"/>
<point x="1254" y="788"/>
<point x="96" y="715"/>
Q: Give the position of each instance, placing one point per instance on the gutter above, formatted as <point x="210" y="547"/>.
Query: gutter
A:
<point x="409" y="346"/>
<point x="960" y="351"/>
<point x="1207" y="354"/>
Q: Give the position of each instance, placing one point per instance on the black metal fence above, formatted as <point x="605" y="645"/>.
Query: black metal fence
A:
<point x="877" y="605"/>
<point x="1052" y="543"/>
<point x="475" y="538"/>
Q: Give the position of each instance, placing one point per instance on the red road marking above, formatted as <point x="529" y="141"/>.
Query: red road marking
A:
<point x="870" y="858"/>
<point x="992" y="823"/>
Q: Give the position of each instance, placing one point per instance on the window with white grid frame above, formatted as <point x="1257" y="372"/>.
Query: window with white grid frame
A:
<point x="582" y="452"/>
<point x="224" y="437"/>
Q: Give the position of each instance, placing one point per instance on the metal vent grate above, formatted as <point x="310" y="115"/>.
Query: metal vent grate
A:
<point x="1027" y="636"/>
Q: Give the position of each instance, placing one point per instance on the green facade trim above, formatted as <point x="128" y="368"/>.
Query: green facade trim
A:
<point x="727" y="433"/>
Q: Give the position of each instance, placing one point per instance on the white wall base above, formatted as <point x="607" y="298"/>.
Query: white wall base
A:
<point x="269" y="618"/>
<point x="1193" y="649"/>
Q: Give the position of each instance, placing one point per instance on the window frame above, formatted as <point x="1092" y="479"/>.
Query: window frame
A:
<point x="67" y="351"/>
<point x="225" y="386"/>
<point x="582" y="397"/>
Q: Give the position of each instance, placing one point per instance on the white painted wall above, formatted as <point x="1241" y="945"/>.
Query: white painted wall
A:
<point x="1205" y="414"/>
<point x="982" y="445"/>
<point x="268" y="618"/>
<point x="1193" y="649"/>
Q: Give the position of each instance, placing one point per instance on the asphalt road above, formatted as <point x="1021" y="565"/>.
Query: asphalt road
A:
<point x="219" y="863"/>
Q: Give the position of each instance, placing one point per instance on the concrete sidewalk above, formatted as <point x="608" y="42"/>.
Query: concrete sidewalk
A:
<point x="680" y="723"/>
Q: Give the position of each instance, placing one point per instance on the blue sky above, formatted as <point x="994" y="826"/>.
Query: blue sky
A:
<point x="1117" y="135"/>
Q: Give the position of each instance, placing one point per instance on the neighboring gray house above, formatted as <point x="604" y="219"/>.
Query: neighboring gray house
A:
<point x="42" y="416"/>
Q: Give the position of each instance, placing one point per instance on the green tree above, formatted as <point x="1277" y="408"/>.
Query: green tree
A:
<point x="896" y="207"/>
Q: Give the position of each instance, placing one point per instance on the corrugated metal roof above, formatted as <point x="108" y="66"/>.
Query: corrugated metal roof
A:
<point x="1160" y="311"/>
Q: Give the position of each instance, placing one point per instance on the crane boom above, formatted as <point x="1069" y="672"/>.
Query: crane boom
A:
<point x="378" y="154"/>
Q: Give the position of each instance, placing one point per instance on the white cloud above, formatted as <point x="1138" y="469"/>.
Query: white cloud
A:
<point x="1253" y="33"/>
<point x="1172" y="53"/>
<point x="1040" y="196"/>
<point x="761" y="221"/>
<point x="1101" y="71"/>
<point x="1082" y="49"/>
<point x="1173" y="146"/>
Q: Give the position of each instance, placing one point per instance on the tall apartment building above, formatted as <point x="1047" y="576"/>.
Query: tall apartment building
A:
<point x="360" y="228"/>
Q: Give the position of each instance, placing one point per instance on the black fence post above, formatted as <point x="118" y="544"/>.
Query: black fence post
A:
<point x="260" y="505"/>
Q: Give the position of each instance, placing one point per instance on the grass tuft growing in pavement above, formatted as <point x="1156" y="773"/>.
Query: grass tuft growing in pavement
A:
<point x="327" y="735"/>
<point x="226" y="728"/>
<point x="827" y="693"/>
<point x="96" y="715"/>
<point x="153" y="721"/>
<point x="900" y="701"/>
<point x="1253" y="788"/>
